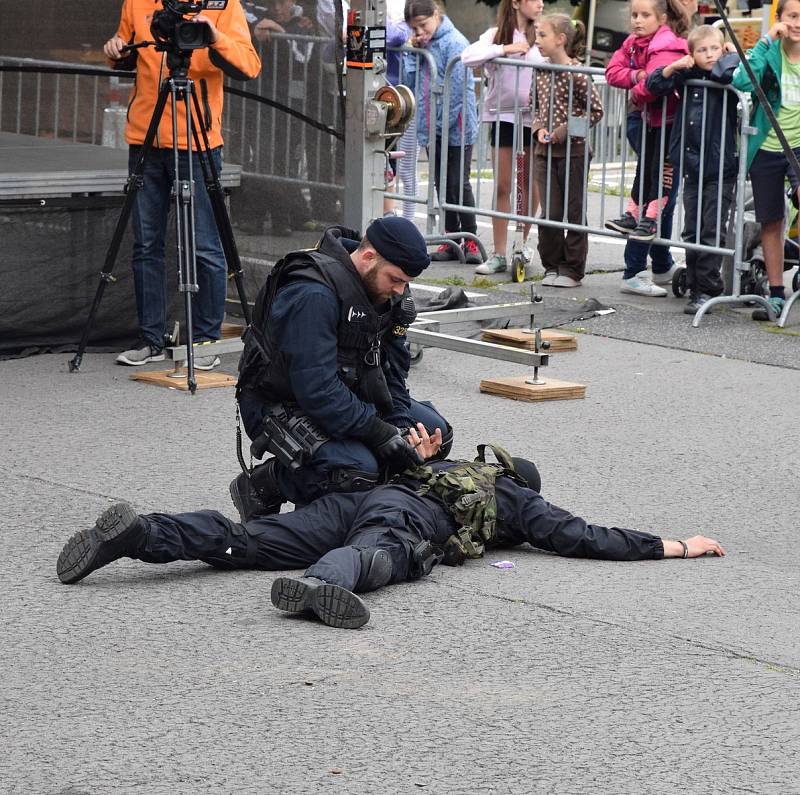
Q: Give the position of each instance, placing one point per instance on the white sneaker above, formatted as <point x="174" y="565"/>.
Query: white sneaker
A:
<point x="642" y="284"/>
<point x="549" y="278"/>
<point x="666" y="278"/>
<point x="565" y="281"/>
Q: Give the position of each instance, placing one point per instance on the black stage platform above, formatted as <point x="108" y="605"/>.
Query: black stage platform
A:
<point x="59" y="204"/>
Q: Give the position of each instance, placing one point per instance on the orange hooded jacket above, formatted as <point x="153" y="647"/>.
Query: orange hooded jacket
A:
<point x="232" y="55"/>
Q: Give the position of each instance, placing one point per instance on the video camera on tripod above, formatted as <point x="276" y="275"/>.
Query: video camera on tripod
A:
<point x="173" y="32"/>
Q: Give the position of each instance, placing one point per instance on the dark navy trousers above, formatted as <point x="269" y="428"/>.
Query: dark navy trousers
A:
<point x="325" y="536"/>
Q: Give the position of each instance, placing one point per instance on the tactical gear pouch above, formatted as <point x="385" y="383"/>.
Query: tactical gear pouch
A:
<point x="372" y="388"/>
<point x="291" y="437"/>
<point x="468" y="492"/>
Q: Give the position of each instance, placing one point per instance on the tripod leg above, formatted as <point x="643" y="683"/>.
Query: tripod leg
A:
<point x="184" y="221"/>
<point x="223" y="221"/>
<point x="132" y="187"/>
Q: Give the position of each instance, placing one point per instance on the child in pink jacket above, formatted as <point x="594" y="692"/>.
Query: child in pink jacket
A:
<point x="657" y="28"/>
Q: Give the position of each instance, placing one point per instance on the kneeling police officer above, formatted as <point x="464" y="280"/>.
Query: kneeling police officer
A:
<point x="322" y="376"/>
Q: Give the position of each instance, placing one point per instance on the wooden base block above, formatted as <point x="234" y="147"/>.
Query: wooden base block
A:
<point x="516" y="388"/>
<point x="231" y="330"/>
<point x="167" y="378"/>
<point x="523" y="338"/>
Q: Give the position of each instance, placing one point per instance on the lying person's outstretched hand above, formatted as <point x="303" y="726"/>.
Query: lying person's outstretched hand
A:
<point x="427" y="445"/>
<point x="693" y="547"/>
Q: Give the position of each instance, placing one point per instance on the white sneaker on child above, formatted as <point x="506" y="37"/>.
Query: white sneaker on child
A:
<point x="666" y="277"/>
<point x="642" y="284"/>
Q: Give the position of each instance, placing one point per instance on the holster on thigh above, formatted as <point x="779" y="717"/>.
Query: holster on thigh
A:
<point x="422" y="554"/>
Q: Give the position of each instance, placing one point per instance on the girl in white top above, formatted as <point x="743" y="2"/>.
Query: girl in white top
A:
<point x="509" y="87"/>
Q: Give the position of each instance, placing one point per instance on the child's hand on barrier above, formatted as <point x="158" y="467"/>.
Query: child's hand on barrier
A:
<point x="517" y="48"/>
<point x="543" y="136"/>
<point x="687" y="62"/>
<point x="729" y="46"/>
<point x="264" y="29"/>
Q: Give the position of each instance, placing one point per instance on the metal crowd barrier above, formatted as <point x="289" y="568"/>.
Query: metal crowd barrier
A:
<point x="418" y="72"/>
<point x="62" y="101"/>
<point x="611" y="174"/>
<point x="284" y="127"/>
<point x="291" y="138"/>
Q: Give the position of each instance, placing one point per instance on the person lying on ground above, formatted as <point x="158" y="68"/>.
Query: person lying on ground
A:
<point x="357" y="542"/>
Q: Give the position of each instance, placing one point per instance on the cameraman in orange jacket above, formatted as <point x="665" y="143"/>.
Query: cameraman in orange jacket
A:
<point x="230" y="53"/>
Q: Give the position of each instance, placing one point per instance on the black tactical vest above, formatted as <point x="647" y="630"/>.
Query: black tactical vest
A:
<point x="360" y="333"/>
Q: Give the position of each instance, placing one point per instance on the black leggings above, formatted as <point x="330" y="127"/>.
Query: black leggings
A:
<point x="651" y="179"/>
<point x="456" y="220"/>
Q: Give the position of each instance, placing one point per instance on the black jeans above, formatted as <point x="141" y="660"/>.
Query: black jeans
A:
<point x="702" y="267"/>
<point x="326" y="535"/>
<point x="456" y="220"/>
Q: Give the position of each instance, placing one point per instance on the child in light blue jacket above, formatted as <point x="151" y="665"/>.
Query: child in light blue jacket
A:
<point x="434" y="32"/>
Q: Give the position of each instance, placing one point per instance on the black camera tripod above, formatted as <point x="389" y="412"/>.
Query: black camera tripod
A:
<point x="176" y="87"/>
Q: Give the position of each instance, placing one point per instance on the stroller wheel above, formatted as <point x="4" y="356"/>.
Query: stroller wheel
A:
<point x="416" y="352"/>
<point x="679" y="283"/>
<point x="796" y="282"/>
<point x="518" y="268"/>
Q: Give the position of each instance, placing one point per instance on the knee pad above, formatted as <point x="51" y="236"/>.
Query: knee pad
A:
<point x="376" y="569"/>
<point x="527" y="471"/>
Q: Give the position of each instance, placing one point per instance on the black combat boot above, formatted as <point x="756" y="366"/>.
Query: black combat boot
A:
<point x="376" y="569"/>
<point x="257" y="494"/>
<point x="332" y="604"/>
<point x="115" y="535"/>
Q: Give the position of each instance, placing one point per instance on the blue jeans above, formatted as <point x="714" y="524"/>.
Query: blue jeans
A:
<point x="150" y="214"/>
<point x="635" y="251"/>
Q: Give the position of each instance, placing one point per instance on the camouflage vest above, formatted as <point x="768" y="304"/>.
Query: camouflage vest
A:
<point x="468" y="492"/>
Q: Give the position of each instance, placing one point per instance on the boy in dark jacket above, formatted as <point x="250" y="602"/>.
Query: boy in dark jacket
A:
<point x="708" y="157"/>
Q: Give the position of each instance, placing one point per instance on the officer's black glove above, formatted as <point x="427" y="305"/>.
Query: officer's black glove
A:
<point x="389" y="447"/>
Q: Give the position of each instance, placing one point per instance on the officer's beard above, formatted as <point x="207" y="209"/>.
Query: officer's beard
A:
<point x="370" y="279"/>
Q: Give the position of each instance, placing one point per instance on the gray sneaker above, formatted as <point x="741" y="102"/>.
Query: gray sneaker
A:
<point x="495" y="264"/>
<point x="206" y="362"/>
<point x="141" y="353"/>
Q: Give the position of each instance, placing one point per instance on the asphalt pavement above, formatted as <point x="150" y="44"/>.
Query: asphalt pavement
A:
<point x="555" y="676"/>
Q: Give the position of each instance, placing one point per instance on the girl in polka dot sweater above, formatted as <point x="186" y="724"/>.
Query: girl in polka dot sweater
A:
<point x="567" y="105"/>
